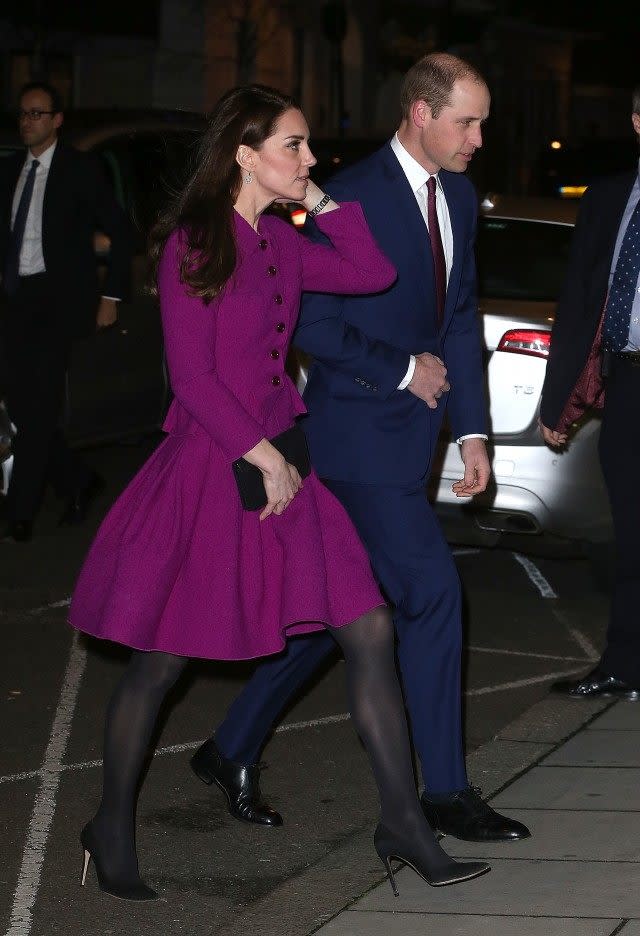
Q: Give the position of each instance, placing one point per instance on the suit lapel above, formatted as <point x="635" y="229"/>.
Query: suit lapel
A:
<point x="456" y="215"/>
<point x="13" y="174"/>
<point x="411" y="230"/>
<point x="52" y="204"/>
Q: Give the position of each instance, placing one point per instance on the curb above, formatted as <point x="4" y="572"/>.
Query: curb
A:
<point x="312" y="897"/>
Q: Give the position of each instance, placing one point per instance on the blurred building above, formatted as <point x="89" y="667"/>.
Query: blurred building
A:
<point x="344" y="60"/>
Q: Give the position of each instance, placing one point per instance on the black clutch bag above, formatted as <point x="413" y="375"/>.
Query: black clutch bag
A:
<point x="292" y="444"/>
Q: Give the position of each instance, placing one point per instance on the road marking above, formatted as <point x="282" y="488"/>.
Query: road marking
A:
<point x="535" y="575"/>
<point x="64" y="603"/>
<point x="175" y="748"/>
<point x="527" y="653"/>
<point x="584" y="643"/>
<point x="518" y="683"/>
<point x="45" y="802"/>
<point x="581" y="639"/>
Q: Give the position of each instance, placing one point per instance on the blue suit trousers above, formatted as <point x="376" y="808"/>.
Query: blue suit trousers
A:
<point x="416" y="571"/>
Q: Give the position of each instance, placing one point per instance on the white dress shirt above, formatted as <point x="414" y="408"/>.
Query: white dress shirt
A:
<point x="417" y="177"/>
<point x="31" y="254"/>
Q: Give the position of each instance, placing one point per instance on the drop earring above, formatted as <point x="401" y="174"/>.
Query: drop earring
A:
<point x="247" y="178"/>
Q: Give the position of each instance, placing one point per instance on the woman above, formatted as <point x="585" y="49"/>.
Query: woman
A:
<point x="179" y="569"/>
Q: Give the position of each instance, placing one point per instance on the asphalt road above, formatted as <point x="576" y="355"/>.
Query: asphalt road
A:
<point x="528" y="621"/>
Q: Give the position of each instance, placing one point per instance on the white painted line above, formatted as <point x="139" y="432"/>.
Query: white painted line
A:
<point x="314" y="722"/>
<point x="535" y="576"/>
<point x="527" y="653"/>
<point x="584" y="643"/>
<point x="516" y="684"/>
<point x="176" y="748"/>
<point x="44" y="806"/>
<point x="581" y="639"/>
<point x="64" y="603"/>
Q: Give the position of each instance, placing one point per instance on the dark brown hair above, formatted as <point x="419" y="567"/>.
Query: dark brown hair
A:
<point x="432" y="78"/>
<point x="53" y="93"/>
<point x="203" y="209"/>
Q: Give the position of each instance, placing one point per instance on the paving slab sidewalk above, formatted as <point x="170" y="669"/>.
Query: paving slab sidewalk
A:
<point x="346" y="893"/>
<point x="579" y="873"/>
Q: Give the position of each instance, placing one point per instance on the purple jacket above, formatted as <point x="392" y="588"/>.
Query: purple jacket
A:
<point x="226" y="359"/>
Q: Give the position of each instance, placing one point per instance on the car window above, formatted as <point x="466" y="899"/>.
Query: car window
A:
<point x="519" y="259"/>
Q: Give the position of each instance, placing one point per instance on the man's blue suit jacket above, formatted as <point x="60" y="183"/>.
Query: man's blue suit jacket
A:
<point x="360" y="427"/>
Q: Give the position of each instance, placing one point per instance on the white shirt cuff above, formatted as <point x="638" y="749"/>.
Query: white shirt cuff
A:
<point x="408" y="377"/>
<point x="113" y="298"/>
<point x="472" y="435"/>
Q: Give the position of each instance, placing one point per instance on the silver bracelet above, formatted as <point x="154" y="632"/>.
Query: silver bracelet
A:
<point x="321" y="204"/>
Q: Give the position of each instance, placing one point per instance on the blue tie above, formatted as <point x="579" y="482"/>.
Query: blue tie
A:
<point x="617" y="319"/>
<point x="12" y="260"/>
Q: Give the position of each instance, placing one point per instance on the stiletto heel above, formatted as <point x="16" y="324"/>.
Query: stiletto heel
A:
<point x="85" y="865"/>
<point x="448" y="872"/>
<point x="131" y="889"/>
<point x="387" y="863"/>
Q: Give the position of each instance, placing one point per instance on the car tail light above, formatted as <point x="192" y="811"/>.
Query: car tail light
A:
<point x="526" y="341"/>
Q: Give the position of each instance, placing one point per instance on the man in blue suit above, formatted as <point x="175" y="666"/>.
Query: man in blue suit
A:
<point x="385" y="368"/>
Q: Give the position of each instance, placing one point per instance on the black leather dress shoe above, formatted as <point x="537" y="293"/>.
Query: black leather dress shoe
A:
<point x="239" y="782"/>
<point x="597" y="684"/>
<point x="76" y="510"/>
<point x="465" y="815"/>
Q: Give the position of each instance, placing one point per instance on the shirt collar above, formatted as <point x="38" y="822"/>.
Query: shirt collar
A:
<point x="416" y="174"/>
<point x="44" y="158"/>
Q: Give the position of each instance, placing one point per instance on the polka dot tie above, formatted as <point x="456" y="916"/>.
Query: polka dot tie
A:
<point x="617" y="318"/>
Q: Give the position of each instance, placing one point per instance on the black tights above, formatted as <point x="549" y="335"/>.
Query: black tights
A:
<point x="377" y="710"/>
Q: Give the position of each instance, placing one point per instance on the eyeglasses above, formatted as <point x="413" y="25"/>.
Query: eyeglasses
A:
<point x="33" y="114"/>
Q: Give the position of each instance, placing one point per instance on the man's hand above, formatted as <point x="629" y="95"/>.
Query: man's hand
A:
<point x="107" y="314"/>
<point x="477" y="468"/>
<point x="551" y="436"/>
<point x="429" y="379"/>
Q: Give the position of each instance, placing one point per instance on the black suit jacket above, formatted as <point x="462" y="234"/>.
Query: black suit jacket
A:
<point x="77" y="202"/>
<point x="584" y="290"/>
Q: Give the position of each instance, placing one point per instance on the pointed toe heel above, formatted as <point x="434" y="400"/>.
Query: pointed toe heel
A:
<point x="440" y="874"/>
<point x="127" y="887"/>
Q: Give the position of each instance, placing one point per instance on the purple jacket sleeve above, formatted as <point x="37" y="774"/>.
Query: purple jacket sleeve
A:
<point x="189" y="334"/>
<point x="354" y="264"/>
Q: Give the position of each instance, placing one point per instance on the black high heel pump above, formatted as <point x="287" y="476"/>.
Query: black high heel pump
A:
<point x="132" y="889"/>
<point x="450" y="872"/>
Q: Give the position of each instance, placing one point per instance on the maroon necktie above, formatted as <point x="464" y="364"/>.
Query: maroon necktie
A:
<point x="439" y="265"/>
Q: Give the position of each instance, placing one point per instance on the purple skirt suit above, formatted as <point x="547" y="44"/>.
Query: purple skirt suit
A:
<point x="177" y="565"/>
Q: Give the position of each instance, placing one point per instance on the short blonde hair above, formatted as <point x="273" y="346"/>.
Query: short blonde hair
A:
<point x="432" y="78"/>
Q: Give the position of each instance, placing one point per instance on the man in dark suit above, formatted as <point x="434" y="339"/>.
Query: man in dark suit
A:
<point x="385" y="368"/>
<point x="52" y="202"/>
<point x="604" y="267"/>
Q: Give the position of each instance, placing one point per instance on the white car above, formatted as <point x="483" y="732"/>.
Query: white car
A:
<point x="537" y="494"/>
<point x="547" y="501"/>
